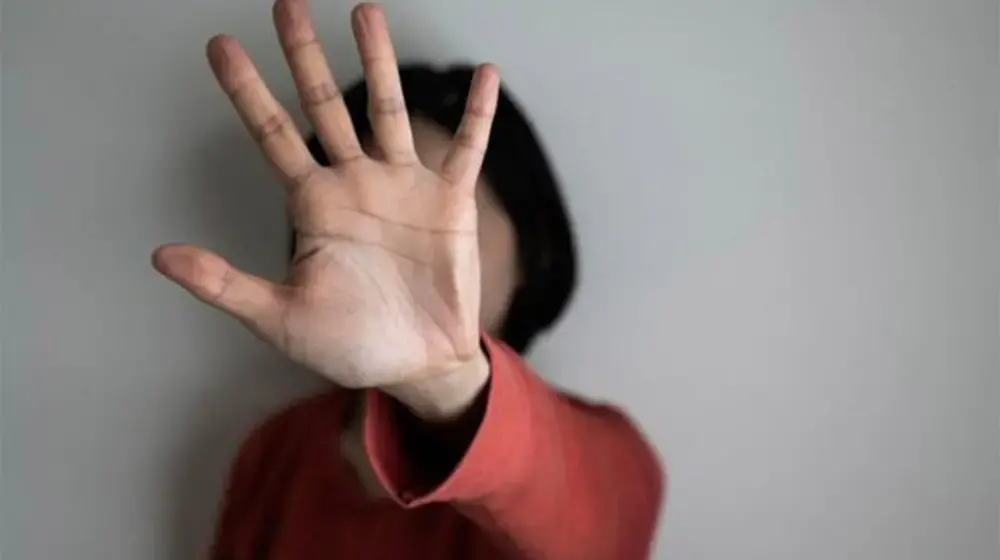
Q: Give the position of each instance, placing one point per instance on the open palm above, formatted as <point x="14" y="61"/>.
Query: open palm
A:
<point x="385" y="285"/>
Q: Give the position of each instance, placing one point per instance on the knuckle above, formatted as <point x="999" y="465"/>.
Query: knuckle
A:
<point x="402" y="158"/>
<point x="240" y="89"/>
<point x="387" y="105"/>
<point x="278" y="124"/>
<point x="299" y="45"/>
<point x="319" y="95"/>
<point x="225" y="284"/>
<point x="305" y="175"/>
<point x="469" y="141"/>
<point x="479" y="113"/>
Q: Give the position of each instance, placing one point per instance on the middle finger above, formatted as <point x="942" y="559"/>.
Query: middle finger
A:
<point x="386" y="107"/>
<point x="318" y="92"/>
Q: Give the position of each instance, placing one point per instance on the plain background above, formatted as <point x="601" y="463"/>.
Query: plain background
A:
<point x="788" y="213"/>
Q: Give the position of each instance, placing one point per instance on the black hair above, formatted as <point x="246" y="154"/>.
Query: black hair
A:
<point x="522" y="180"/>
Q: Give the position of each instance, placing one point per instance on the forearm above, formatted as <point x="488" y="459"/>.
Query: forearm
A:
<point x="555" y="477"/>
<point x="435" y="418"/>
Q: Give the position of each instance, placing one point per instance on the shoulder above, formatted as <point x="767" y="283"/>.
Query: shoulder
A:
<point x="301" y="412"/>
<point x="290" y="430"/>
<point x="604" y="420"/>
<point x="593" y="408"/>
<point x="588" y="404"/>
<point x="506" y="363"/>
<point x="270" y="459"/>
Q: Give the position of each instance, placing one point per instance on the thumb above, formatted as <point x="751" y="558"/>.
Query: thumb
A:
<point x="211" y="279"/>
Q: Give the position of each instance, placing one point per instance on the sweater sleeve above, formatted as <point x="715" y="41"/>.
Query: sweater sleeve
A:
<point x="546" y="476"/>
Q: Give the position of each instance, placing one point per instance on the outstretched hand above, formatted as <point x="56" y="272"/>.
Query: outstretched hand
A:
<point x="384" y="287"/>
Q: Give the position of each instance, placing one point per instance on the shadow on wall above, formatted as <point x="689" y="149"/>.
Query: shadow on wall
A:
<point x="240" y="204"/>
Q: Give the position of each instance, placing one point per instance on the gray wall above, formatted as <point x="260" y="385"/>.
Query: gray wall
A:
<point x="788" y="213"/>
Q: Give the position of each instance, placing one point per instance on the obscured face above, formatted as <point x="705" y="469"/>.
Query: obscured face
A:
<point x="497" y="246"/>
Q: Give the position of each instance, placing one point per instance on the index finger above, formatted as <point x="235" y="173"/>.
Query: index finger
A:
<point x="265" y="118"/>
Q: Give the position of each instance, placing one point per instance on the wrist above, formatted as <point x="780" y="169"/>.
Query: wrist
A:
<point x="445" y="396"/>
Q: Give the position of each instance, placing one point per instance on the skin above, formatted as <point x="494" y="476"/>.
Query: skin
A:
<point x="499" y="272"/>
<point x="499" y="277"/>
<point x="387" y="288"/>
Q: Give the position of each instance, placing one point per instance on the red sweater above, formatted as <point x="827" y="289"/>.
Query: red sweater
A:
<point x="540" y="476"/>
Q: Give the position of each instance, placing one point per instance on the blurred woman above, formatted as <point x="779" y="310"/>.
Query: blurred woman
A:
<point x="431" y="247"/>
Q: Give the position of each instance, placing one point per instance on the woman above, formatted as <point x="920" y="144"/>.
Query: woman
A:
<point x="417" y="252"/>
